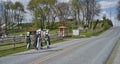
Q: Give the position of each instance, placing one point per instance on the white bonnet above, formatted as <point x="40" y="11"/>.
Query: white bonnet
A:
<point x="28" y="33"/>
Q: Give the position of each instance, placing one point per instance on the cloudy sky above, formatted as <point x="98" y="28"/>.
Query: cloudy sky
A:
<point x="108" y="8"/>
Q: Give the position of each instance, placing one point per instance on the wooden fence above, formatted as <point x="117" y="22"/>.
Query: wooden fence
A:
<point x="9" y="43"/>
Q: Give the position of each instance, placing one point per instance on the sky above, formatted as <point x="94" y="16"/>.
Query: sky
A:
<point x="108" y="8"/>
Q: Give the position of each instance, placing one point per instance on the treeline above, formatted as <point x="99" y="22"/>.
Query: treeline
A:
<point x="49" y="10"/>
<point x="46" y="12"/>
<point x="12" y="15"/>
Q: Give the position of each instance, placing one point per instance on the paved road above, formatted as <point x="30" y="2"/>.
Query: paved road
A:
<point x="94" y="50"/>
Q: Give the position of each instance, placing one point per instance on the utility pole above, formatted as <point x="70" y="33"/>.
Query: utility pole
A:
<point x="110" y="13"/>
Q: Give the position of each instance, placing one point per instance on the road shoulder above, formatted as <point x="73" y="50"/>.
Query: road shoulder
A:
<point x="115" y="55"/>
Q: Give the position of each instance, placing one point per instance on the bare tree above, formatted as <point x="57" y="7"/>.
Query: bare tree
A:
<point x="19" y="12"/>
<point x="49" y="12"/>
<point x="62" y="12"/>
<point x="6" y="16"/>
<point x="53" y="15"/>
<point x="85" y="8"/>
<point x="76" y="8"/>
<point x="92" y="9"/>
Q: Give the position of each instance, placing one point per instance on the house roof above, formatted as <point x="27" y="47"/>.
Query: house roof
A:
<point x="62" y="27"/>
<point x="31" y="29"/>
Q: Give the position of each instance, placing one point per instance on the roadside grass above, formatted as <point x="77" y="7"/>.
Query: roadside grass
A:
<point x="20" y="48"/>
<point x="12" y="46"/>
<point x="89" y="33"/>
<point x="113" y="54"/>
<point x="99" y="31"/>
<point x="12" y="51"/>
<point x="53" y="31"/>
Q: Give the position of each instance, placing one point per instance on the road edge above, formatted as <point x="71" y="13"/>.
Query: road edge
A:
<point x="113" y="54"/>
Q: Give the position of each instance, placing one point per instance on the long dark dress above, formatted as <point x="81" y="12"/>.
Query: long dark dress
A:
<point x="35" y="41"/>
<point x="28" y="41"/>
<point x="39" y="42"/>
<point x="47" y="40"/>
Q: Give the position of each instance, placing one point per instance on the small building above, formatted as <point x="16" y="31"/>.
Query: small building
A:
<point x="62" y="31"/>
<point x="32" y="31"/>
<point x="70" y="18"/>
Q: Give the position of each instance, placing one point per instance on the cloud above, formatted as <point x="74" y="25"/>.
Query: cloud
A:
<point x="11" y="0"/>
<point x="106" y="7"/>
<point x="63" y="0"/>
<point x="101" y="14"/>
<point x="108" y="4"/>
<point x="112" y="17"/>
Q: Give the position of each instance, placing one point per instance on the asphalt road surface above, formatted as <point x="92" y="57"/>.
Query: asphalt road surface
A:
<point x="94" y="50"/>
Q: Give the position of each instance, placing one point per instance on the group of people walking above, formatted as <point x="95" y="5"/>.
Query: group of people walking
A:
<point x="38" y="37"/>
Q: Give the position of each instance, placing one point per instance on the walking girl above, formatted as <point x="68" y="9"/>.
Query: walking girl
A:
<point x="35" y="40"/>
<point x="47" y="40"/>
<point x="28" y="40"/>
<point x="39" y="40"/>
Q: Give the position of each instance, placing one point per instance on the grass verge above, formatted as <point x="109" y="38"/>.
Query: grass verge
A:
<point x="112" y="56"/>
<point x="22" y="48"/>
<point x="12" y="51"/>
<point x="89" y="33"/>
